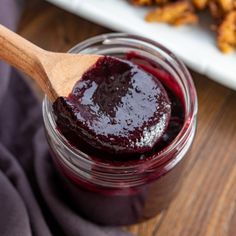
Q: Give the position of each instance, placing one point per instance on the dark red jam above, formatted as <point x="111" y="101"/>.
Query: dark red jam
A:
<point x="111" y="122"/>
<point x="121" y="108"/>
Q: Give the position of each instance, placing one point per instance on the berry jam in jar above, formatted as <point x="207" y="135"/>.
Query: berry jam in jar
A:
<point x="118" y="188"/>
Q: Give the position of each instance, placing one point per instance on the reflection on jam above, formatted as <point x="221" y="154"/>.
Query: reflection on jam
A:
<point x="117" y="107"/>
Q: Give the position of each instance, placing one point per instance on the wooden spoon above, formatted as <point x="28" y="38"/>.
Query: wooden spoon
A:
<point x="55" y="73"/>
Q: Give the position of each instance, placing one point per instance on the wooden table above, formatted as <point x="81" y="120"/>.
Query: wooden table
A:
<point x="206" y="204"/>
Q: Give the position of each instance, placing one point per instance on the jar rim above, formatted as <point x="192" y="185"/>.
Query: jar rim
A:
<point x="190" y="110"/>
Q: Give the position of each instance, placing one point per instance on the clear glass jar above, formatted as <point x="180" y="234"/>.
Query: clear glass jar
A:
<point x="123" y="193"/>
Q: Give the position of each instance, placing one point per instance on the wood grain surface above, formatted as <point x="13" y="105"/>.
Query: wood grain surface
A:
<point x="206" y="203"/>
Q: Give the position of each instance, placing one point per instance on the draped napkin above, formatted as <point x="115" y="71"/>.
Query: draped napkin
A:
<point x="31" y="201"/>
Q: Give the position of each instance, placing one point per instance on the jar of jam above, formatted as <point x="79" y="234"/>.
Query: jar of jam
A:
<point x="119" y="191"/>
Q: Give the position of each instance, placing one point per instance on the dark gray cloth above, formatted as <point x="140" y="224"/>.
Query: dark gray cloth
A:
<point x="30" y="199"/>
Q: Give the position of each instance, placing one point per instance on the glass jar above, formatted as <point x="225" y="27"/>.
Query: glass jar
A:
<point x="121" y="193"/>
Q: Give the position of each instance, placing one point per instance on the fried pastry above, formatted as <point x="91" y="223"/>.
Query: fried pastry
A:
<point x="142" y="2"/>
<point x="180" y="12"/>
<point x="176" y="13"/>
<point x="227" y="33"/>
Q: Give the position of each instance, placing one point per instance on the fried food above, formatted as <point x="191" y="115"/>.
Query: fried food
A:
<point x="215" y="9"/>
<point x="219" y="8"/>
<point x="200" y="4"/>
<point x="227" y="5"/>
<point x="176" y="13"/>
<point x="227" y="33"/>
<point x="142" y="2"/>
<point x="148" y="2"/>
<point x="180" y="12"/>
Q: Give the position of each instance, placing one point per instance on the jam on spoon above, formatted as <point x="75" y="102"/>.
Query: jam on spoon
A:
<point x="116" y="107"/>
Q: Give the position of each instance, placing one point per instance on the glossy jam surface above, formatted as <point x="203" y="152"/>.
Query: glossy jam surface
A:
<point x="116" y="107"/>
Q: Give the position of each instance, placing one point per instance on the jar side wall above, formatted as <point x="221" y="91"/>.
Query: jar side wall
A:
<point x="82" y="163"/>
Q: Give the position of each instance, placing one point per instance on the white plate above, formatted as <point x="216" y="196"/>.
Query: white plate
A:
<point x="195" y="45"/>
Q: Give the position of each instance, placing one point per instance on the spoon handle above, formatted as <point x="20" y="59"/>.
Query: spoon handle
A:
<point x="20" y="53"/>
